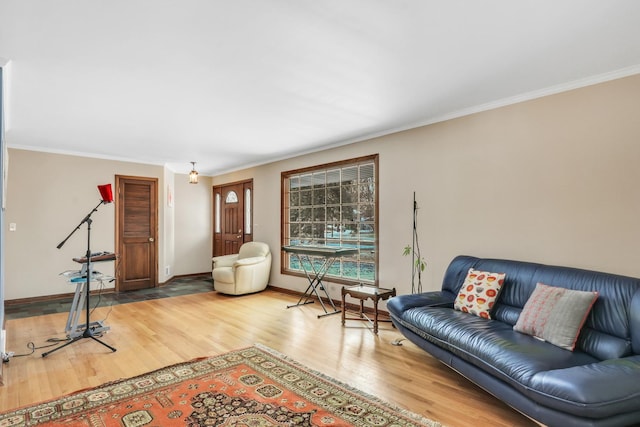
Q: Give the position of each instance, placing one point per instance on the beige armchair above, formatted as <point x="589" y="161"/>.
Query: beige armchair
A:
<point x="244" y="272"/>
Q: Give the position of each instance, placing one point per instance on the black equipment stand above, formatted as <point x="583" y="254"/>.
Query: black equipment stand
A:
<point x="329" y="255"/>
<point x="88" y="333"/>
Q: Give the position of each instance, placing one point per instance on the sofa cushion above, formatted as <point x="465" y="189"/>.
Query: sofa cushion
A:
<point x="491" y="345"/>
<point x="594" y="389"/>
<point x="555" y="314"/>
<point x="601" y="345"/>
<point x="479" y="292"/>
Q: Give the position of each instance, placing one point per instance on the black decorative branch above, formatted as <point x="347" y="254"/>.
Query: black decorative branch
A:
<point x="418" y="264"/>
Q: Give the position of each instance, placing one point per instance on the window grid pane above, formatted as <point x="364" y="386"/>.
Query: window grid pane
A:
<point x="334" y="207"/>
<point x="232" y="197"/>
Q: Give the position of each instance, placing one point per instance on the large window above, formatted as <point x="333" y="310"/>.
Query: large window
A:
<point x="334" y="205"/>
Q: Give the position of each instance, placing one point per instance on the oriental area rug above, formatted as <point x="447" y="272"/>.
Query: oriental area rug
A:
<point x="251" y="387"/>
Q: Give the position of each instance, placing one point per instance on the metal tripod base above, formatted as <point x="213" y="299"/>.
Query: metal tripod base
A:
<point x="74" y="313"/>
<point x="87" y="334"/>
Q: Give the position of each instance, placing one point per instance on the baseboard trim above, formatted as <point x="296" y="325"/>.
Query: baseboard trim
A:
<point x="338" y="303"/>
<point x="47" y="298"/>
<point x="182" y="276"/>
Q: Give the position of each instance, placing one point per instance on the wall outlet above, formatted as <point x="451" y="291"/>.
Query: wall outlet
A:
<point x="167" y="270"/>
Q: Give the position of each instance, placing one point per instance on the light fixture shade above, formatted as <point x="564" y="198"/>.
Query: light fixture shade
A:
<point x="106" y="193"/>
<point x="193" y="175"/>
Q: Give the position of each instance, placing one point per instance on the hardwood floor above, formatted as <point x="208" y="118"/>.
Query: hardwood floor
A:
<point x="151" y="334"/>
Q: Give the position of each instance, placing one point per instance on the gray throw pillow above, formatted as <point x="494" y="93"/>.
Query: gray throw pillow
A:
<point x="555" y="315"/>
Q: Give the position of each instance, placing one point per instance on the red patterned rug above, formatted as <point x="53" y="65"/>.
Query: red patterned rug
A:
<point x="252" y="387"/>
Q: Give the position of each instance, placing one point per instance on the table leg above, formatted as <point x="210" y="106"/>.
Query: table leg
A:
<point x="375" y="315"/>
<point x="343" y="306"/>
<point x="315" y="282"/>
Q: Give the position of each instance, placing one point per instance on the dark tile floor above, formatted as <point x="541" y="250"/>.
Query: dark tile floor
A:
<point x="179" y="286"/>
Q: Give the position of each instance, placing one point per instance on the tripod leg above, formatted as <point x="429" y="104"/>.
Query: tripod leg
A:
<point x="46" y="353"/>
<point x="103" y="343"/>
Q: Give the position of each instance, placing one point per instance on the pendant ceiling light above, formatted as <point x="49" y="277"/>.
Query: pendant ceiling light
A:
<point x="193" y="175"/>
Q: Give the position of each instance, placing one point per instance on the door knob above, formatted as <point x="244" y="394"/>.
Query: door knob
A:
<point x="239" y="236"/>
<point x="151" y="239"/>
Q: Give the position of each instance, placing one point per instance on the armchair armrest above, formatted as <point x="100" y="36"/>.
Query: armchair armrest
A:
<point x="249" y="261"/>
<point x="224" y="260"/>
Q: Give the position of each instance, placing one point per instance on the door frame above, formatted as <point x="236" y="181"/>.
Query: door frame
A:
<point x="119" y="238"/>
<point x="217" y="236"/>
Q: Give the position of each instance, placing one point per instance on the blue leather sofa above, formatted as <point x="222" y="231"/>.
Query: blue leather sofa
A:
<point x="597" y="384"/>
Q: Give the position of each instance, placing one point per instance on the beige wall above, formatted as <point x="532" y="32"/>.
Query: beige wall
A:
<point x="165" y="194"/>
<point x="48" y="196"/>
<point x="193" y="219"/>
<point x="552" y="180"/>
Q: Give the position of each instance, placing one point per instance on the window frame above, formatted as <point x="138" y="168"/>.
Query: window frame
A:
<point x="285" y="219"/>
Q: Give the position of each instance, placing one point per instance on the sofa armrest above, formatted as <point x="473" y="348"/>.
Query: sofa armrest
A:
<point x="401" y="303"/>
<point x="249" y="261"/>
<point x="612" y="383"/>
<point x="224" y="260"/>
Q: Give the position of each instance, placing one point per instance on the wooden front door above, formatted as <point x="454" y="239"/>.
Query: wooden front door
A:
<point x="232" y="217"/>
<point x="136" y="234"/>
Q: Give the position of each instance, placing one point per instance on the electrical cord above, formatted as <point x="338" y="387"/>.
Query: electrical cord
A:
<point x="31" y="345"/>
<point x="56" y="341"/>
<point x="100" y="299"/>
<point x="108" y="312"/>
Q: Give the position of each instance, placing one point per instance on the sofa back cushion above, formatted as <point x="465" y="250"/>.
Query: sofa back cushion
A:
<point x="253" y="249"/>
<point x="612" y="329"/>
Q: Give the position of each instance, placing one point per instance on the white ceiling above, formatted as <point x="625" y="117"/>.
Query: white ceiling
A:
<point x="235" y="83"/>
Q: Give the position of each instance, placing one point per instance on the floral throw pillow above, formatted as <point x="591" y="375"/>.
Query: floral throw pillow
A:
<point x="479" y="292"/>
